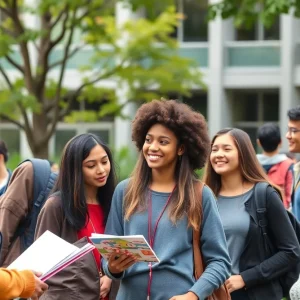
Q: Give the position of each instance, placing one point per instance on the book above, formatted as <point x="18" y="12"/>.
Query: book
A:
<point x="135" y="244"/>
<point x="49" y="254"/>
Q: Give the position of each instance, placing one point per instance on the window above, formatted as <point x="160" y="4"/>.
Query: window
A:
<point x="259" y="32"/>
<point x="102" y="134"/>
<point x="251" y="109"/>
<point x="195" y="25"/>
<point x="61" y="138"/>
<point x="198" y="102"/>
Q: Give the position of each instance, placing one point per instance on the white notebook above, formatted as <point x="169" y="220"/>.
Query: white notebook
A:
<point x="49" y="254"/>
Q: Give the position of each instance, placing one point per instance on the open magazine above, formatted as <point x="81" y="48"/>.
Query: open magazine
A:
<point x="135" y="244"/>
<point x="49" y="254"/>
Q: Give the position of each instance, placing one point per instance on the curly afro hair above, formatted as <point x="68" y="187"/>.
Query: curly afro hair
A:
<point x="189" y="126"/>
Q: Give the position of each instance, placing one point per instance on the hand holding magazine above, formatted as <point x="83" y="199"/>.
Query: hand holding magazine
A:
<point x="48" y="255"/>
<point x="135" y="244"/>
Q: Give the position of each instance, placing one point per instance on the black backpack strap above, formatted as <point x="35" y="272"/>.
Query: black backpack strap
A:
<point x="260" y="197"/>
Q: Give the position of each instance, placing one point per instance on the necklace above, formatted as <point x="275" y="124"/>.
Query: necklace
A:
<point x="151" y="235"/>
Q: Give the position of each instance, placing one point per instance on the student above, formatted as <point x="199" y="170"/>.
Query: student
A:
<point x="277" y="165"/>
<point x="293" y="137"/>
<point x="5" y="173"/>
<point x="159" y="202"/>
<point x="17" y="207"/>
<point x="77" y="208"/>
<point x="232" y="173"/>
<point x="24" y="284"/>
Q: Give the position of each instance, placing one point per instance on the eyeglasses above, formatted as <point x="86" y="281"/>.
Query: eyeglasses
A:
<point x="292" y="130"/>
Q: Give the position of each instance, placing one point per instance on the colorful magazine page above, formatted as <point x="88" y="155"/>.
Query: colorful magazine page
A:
<point x="49" y="254"/>
<point x="135" y="244"/>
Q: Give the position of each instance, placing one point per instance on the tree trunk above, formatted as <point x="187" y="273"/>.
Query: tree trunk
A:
<point x="38" y="145"/>
<point x="41" y="151"/>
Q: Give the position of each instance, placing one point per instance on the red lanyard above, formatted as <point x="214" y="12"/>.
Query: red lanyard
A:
<point x="152" y="236"/>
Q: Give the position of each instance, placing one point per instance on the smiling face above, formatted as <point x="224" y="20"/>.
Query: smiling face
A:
<point x="161" y="148"/>
<point x="224" y="156"/>
<point x="293" y="136"/>
<point x="96" y="167"/>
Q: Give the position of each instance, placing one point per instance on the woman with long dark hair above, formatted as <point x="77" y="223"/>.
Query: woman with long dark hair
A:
<point x="161" y="201"/>
<point x="233" y="173"/>
<point x="78" y="207"/>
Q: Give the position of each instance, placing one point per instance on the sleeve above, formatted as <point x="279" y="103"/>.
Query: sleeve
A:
<point x="213" y="248"/>
<point x="49" y="218"/>
<point x="289" y="187"/>
<point x="14" y="205"/>
<point x="15" y="284"/>
<point x="115" y="222"/>
<point x="285" y="241"/>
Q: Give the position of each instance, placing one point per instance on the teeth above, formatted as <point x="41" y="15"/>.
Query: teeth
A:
<point x="154" y="157"/>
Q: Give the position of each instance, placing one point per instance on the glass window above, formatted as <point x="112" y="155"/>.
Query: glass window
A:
<point x="245" y="107"/>
<point x="273" y="32"/>
<point x="61" y="138"/>
<point x="259" y="32"/>
<point x="195" y="26"/>
<point x="246" y="34"/>
<point x="11" y="137"/>
<point x="271" y="107"/>
<point x="198" y="102"/>
<point x="102" y="134"/>
<point x="252" y="131"/>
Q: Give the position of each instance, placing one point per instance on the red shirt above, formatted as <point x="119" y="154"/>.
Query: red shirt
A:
<point x="95" y="224"/>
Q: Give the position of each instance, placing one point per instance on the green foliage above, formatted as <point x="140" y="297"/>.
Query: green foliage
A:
<point x="139" y="54"/>
<point x="125" y="160"/>
<point x="246" y="12"/>
<point x="14" y="160"/>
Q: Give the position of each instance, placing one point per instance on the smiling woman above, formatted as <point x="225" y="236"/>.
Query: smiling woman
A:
<point x="234" y="173"/>
<point x="77" y="208"/>
<point x="161" y="201"/>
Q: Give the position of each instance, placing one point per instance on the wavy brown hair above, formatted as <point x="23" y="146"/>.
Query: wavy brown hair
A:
<point x="191" y="130"/>
<point x="250" y="167"/>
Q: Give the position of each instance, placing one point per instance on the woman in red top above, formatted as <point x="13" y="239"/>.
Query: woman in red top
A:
<point x="79" y="207"/>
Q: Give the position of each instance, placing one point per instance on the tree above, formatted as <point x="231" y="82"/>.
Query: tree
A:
<point x="246" y="12"/>
<point x="140" y="53"/>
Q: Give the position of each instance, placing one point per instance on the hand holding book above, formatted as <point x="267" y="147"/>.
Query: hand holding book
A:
<point x="111" y="246"/>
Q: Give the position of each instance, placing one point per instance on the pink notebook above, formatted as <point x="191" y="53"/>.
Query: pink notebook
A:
<point x="49" y="254"/>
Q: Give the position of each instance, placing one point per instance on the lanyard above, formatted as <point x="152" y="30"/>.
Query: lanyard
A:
<point x="151" y="236"/>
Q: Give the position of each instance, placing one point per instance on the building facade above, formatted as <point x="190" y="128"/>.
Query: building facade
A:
<point x="252" y="77"/>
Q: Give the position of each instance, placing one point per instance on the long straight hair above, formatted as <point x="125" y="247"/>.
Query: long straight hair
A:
<point x="185" y="200"/>
<point x="250" y="168"/>
<point x="70" y="183"/>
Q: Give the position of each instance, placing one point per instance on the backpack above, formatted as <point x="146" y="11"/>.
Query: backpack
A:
<point x="260" y="196"/>
<point x="277" y="174"/>
<point x="43" y="182"/>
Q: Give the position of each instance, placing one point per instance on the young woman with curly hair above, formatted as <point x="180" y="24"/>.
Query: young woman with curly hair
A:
<point x="160" y="202"/>
<point x="233" y="173"/>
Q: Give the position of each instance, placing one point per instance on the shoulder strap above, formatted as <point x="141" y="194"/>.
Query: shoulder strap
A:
<point x="260" y="198"/>
<point x="198" y="262"/>
<point x="43" y="182"/>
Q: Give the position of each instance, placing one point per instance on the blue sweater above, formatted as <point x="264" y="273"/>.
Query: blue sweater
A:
<point x="173" y="246"/>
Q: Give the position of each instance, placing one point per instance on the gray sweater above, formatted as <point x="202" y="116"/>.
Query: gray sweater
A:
<point x="173" y="246"/>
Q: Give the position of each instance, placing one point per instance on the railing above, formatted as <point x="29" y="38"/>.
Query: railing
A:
<point x="252" y="54"/>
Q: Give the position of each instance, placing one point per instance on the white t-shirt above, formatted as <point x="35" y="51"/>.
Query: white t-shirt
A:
<point x="4" y="182"/>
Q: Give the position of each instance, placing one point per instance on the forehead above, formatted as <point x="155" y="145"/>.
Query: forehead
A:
<point x="160" y="130"/>
<point x="96" y="152"/>
<point x="224" y="139"/>
<point x="294" y="124"/>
